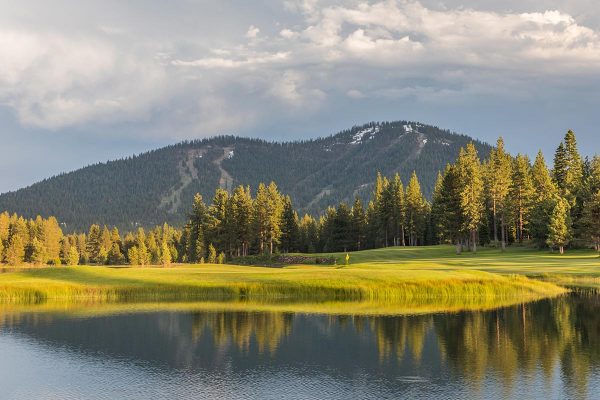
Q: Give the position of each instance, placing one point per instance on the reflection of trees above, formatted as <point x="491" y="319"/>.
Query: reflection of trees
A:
<point x="518" y="340"/>
<point x="511" y="342"/>
<point x="239" y="328"/>
<point x="395" y="334"/>
<point x="561" y="335"/>
<point x="10" y="319"/>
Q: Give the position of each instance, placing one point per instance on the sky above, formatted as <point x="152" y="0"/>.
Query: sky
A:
<point x="86" y="81"/>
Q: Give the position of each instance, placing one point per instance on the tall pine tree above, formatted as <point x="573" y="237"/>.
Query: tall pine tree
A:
<point x="471" y="192"/>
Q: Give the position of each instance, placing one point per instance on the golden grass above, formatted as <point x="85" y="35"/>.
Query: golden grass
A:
<point x="390" y="280"/>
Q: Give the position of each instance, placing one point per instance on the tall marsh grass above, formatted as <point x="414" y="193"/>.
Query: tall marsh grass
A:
<point x="296" y="284"/>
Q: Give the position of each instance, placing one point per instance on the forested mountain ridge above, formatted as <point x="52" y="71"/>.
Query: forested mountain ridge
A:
<point x="159" y="185"/>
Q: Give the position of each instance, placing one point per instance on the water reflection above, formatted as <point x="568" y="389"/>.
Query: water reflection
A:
<point x="552" y="346"/>
<point x="240" y="328"/>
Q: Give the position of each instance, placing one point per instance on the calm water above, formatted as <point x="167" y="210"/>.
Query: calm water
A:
<point x="549" y="349"/>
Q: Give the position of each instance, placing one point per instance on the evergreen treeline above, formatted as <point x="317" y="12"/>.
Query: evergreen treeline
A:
<point x="506" y="199"/>
<point x="498" y="201"/>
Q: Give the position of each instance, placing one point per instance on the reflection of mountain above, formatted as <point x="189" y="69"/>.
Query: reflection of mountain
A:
<point x="509" y="344"/>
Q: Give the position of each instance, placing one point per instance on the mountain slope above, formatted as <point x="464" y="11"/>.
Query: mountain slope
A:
<point x="158" y="186"/>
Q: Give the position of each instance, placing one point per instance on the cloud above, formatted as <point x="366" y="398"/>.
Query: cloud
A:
<point x="287" y="33"/>
<point x="319" y="54"/>
<point x="355" y="94"/>
<point x="252" y="32"/>
<point x="54" y="81"/>
<point x="248" y="61"/>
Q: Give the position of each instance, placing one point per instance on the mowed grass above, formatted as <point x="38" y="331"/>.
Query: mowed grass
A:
<point x="515" y="260"/>
<point x="578" y="268"/>
<point x="394" y="278"/>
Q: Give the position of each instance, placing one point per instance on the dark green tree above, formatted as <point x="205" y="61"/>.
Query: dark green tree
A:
<point x="359" y="225"/>
<point x="471" y="192"/>
<point x="289" y="226"/>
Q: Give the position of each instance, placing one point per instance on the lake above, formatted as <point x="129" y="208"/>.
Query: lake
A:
<point x="548" y="349"/>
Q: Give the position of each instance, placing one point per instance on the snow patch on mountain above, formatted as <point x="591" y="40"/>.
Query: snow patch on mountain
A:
<point x="364" y="134"/>
<point x="412" y="128"/>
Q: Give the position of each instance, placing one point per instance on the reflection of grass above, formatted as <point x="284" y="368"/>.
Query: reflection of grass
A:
<point x="367" y="307"/>
<point x="415" y="276"/>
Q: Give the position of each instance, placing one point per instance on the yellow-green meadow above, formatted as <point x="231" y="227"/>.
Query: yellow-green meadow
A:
<point x="391" y="280"/>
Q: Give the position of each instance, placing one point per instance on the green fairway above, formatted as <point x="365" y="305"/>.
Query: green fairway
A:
<point x="516" y="260"/>
<point x="428" y="278"/>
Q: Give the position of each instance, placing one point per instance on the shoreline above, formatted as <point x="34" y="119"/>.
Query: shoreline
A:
<point x="425" y="278"/>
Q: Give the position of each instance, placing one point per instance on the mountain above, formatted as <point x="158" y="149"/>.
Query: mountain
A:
<point x="158" y="186"/>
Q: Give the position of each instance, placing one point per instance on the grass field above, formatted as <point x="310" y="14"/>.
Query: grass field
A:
<point x="426" y="278"/>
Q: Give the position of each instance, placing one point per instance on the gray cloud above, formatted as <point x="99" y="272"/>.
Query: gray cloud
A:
<point x="150" y="72"/>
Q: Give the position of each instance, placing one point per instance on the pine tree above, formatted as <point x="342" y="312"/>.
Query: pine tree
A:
<point x="451" y="218"/>
<point x="165" y="254"/>
<point x="4" y="233"/>
<point x="115" y="257"/>
<point x="52" y="237"/>
<point x="415" y="210"/>
<point x="94" y="243"/>
<point x="471" y="191"/>
<point x="371" y="226"/>
<point x="15" y="252"/>
<point x="498" y="182"/>
<point x="568" y="168"/>
<point x="309" y="234"/>
<point x="341" y="236"/>
<point x="268" y="211"/>
<point x="199" y="245"/>
<point x="199" y="220"/>
<point x="218" y="231"/>
<point x="380" y="214"/>
<point x="437" y="210"/>
<point x="359" y="222"/>
<point x="590" y="185"/>
<point x="39" y="254"/>
<point x="115" y="237"/>
<point x="143" y="256"/>
<point x="106" y="238"/>
<point x="102" y="256"/>
<point x="591" y="220"/>
<point x="544" y="198"/>
<point x="559" y="173"/>
<point x="559" y="230"/>
<point x="398" y="210"/>
<point x="289" y="226"/>
<point x="212" y="254"/>
<point x="275" y="215"/>
<point x="241" y="209"/>
<point x="153" y="249"/>
<point x="521" y="193"/>
<point x="133" y="256"/>
<point x="65" y="246"/>
<point x="261" y="216"/>
<point x="326" y="225"/>
<point x="172" y="237"/>
<point x="81" y="243"/>
<point x="387" y="212"/>
<point x="221" y="258"/>
<point x="593" y="182"/>
<point x="73" y="256"/>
